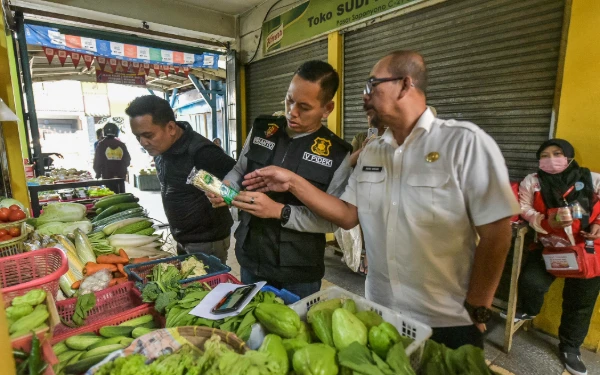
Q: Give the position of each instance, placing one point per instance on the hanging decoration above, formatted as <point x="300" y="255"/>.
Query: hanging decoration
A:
<point x="51" y="37"/>
<point x="88" y="60"/>
<point x="49" y="52"/>
<point x="166" y="69"/>
<point x="156" y="69"/>
<point x="75" y="57"/>
<point x="102" y="62"/>
<point x="62" y="57"/>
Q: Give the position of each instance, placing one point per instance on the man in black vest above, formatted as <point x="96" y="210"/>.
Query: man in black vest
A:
<point x="177" y="149"/>
<point x="279" y="239"/>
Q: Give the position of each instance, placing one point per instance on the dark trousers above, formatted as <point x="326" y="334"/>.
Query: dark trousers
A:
<point x="579" y="298"/>
<point x="455" y="337"/>
<point x="300" y="289"/>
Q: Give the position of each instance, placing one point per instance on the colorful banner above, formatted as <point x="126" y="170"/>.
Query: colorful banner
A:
<point x="317" y="17"/>
<point x="131" y="79"/>
<point x="51" y="37"/>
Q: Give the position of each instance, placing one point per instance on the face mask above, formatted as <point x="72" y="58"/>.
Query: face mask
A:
<point x="554" y="165"/>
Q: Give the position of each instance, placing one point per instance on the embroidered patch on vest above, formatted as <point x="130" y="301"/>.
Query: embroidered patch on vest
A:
<point x="271" y="130"/>
<point x="318" y="159"/>
<point x="264" y="143"/>
<point x="321" y="146"/>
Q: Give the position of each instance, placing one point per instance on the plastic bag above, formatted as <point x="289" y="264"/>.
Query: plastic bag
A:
<point x="209" y="183"/>
<point x="351" y="244"/>
<point x="96" y="282"/>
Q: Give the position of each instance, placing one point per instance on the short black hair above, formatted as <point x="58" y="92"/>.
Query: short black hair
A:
<point x="111" y="129"/>
<point x="320" y="72"/>
<point x="152" y="105"/>
<point x="99" y="133"/>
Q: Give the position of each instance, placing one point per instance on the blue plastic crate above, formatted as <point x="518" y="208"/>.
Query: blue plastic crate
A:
<point x="138" y="272"/>
<point x="287" y="296"/>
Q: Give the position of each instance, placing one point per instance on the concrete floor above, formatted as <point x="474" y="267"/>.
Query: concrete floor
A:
<point x="533" y="352"/>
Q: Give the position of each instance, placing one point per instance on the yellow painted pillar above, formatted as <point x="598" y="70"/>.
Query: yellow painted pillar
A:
<point x="6" y="358"/>
<point x="578" y="123"/>
<point x="11" y="129"/>
<point x="335" y="57"/>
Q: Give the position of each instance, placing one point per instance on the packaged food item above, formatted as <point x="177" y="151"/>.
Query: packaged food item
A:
<point x="209" y="183"/>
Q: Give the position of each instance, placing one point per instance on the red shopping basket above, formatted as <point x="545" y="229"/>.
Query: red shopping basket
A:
<point x="110" y="302"/>
<point x="32" y="270"/>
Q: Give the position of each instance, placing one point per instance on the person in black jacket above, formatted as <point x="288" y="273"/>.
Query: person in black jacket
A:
<point x="111" y="158"/>
<point x="177" y="149"/>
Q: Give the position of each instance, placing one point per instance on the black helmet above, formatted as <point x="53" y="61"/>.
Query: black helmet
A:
<point x="111" y="129"/>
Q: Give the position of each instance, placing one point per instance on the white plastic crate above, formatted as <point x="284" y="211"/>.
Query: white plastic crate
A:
<point x="406" y="326"/>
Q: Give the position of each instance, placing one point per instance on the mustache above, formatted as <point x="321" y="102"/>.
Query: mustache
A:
<point x="367" y="107"/>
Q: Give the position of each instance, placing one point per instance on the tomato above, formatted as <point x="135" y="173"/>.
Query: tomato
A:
<point x="6" y="237"/>
<point x="4" y="212"/>
<point x="16" y="215"/>
<point x="14" y="207"/>
<point x="3" y="232"/>
<point x="14" y="231"/>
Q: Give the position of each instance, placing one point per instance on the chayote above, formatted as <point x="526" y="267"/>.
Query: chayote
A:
<point x="293" y="345"/>
<point x="278" y="319"/>
<point x="15" y="313"/>
<point x="350" y="305"/>
<point x="273" y="345"/>
<point x="315" y="359"/>
<point x="322" y="325"/>
<point x="369" y="318"/>
<point x="382" y="338"/>
<point x="331" y="304"/>
<point x="32" y="298"/>
<point x="347" y="328"/>
<point x="304" y="333"/>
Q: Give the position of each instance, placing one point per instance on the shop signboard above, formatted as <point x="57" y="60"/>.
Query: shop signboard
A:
<point x="317" y="17"/>
<point x="131" y="79"/>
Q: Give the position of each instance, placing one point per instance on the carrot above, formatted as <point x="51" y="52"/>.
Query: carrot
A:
<point x="76" y="284"/>
<point x="91" y="268"/>
<point x="117" y="281"/>
<point x="140" y="260"/>
<point x="122" y="270"/>
<point x="112" y="259"/>
<point x="124" y="255"/>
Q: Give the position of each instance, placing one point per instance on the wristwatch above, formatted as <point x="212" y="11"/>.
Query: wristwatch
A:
<point x="286" y="211"/>
<point x="479" y="314"/>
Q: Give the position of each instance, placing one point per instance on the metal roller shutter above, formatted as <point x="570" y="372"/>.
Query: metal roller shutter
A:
<point x="492" y="62"/>
<point x="267" y="80"/>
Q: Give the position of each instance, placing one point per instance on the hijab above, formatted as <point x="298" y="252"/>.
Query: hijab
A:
<point x="554" y="186"/>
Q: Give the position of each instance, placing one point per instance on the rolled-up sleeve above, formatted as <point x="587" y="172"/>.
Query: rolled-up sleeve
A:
<point x="303" y="219"/>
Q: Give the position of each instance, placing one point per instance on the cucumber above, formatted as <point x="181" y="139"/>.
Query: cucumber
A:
<point x="60" y="348"/>
<point x="103" y="350"/>
<point x="138" y="321"/>
<point x="83" y="365"/>
<point x="133" y="212"/>
<point x="109" y="341"/>
<point x="76" y="358"/>
<point x="146" y="232"/>
<point x="66" y="356"/>
<point x="81" y="342"/>
<point x="114" y="210"/>
<point x="150" y="325"/>
<point x="127" y="341"/>
<point x="135" y="227"/>
<point x="115" y="199"/>
<point x="114" y="331"/>
<point x="141" y="331"/>
<point x="112" y="196"/>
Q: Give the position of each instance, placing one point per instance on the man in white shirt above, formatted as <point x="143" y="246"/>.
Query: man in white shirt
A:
<point x="434" y="200"/>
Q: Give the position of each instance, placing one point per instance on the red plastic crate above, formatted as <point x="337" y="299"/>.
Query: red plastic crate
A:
<point x="32" y="270"/>
<point x="118" y="299"/>
<point x="116" y="320"/>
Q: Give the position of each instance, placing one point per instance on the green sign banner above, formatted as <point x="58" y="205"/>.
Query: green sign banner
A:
<point x="316" y="17"/>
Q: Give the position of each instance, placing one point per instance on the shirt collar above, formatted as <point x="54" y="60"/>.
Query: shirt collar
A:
<point x="425" y="122"/>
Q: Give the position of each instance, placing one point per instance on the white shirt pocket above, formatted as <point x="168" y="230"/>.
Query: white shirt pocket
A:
<point x="424" y="197"/>
<point x="370" y="190"/>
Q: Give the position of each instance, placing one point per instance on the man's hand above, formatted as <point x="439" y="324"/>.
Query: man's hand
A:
<point x="593" y="234"/>
<point x="216" y="200"/>
<point x="269" y="179"/>
<point x="258" y="204"/>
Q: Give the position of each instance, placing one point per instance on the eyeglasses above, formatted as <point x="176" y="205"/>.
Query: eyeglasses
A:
<point x="372" y="82"/>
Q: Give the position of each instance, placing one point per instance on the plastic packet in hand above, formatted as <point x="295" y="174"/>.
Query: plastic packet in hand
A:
<point x="95" y="283"/>
<point x="210" y="184"/>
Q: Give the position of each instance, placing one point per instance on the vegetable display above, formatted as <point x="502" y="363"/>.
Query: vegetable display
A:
<point x="30" y="363"/>
<point x="78" y="353"/>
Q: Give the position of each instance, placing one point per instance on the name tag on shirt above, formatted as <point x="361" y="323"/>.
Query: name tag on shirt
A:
<point x="367" y="168"/>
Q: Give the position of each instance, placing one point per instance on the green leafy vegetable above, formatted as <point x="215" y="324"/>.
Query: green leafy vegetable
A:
<point x="84" y="304"/>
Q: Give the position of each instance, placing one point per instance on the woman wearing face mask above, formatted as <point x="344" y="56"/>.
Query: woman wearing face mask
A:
<point x="560" y="179"/>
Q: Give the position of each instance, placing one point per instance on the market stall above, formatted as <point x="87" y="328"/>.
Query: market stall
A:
<point x="101" y="296"/>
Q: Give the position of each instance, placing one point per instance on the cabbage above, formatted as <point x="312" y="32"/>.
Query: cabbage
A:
<point x="7" y="202"/>
<point x="61" y="212"/>
<point x="64" y="228"/>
